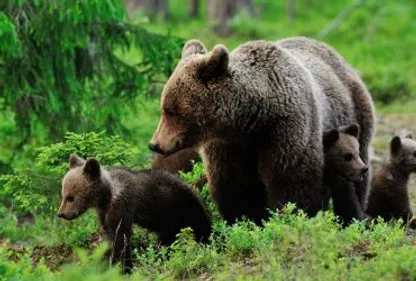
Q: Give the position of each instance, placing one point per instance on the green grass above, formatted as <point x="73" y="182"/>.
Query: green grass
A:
<point x="398" y="107"/>
<point x="289" y="247"/>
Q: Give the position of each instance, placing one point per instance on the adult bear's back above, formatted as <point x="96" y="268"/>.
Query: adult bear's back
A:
<point x="340" y="85"/>
<point x="313" y="54"/>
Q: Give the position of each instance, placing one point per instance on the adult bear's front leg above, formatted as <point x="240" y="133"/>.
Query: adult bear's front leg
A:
<point x="236" y="188"/>
<point x="295" y="176"/>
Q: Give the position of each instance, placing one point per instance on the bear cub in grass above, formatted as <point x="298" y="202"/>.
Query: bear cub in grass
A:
<point x="343" y="168"/>
<point x="389" y="196"/>
<point x="154" y="199"/>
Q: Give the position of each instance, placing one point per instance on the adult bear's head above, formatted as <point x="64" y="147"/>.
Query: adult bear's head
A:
<point x="191" y="98"/>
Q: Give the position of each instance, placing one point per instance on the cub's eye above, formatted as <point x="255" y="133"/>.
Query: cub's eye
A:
<point x="348" y="157"/>
<point x="414" y="154"/>
<point x="70" y="198"/>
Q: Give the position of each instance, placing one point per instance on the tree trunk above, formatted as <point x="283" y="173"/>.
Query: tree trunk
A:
<point x="248" y="5"/>
<point x="149" y="6"/>
<point x="291" y="10"/>
<point x="219" y="12"/>
<point x="193" y="8"/>
<point x="163" y="8"/>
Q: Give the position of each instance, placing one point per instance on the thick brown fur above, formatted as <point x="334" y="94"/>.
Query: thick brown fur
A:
<point x="179" y="161"/>
<point x="154" y="199"/>
<point x="343" y="168"/>
<point x="389" y="197"/>
<point x="259" y="114"/>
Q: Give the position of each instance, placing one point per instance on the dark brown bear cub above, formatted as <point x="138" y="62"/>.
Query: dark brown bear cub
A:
<point x="389" y="196"/>
<point x="154" y="199"/>
<point x="343" y="168"/>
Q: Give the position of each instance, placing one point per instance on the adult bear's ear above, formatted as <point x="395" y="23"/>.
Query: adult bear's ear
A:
<point x="193" y="47"/>
<point x="92" y="167"/>
<point x="352" y="130"/>
<point x="215" y="65"/>
<point x="395" y="145"/>
<point x="330" y="138"/>
<point x="75" y="161"/>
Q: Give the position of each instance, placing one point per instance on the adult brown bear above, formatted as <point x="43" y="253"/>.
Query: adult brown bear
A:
<point x="259" y="113"/>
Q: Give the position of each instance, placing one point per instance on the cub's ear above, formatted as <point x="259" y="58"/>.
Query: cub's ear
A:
<point x="395" y="145"/>
<point x="215" y="65"/>
<point x="352" y="130"/>
<point x="92" y="167"/>
<point x="193" y="47"/>
<point x="75" y="161"/>
<point x="409" y="135"/>
<point x="330" y="138"/>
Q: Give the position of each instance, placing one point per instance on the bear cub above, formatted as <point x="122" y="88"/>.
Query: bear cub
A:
<point x="343" y="169"/>
<point x="389" y="196"/>
<point x="153" y="199"/>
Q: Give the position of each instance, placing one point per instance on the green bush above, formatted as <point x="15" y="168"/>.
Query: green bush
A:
<point x="38" y="189"/>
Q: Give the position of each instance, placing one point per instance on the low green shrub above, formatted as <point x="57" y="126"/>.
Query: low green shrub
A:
<point x="37" y="189"/>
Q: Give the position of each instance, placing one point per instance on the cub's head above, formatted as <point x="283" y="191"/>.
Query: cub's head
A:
<point x="79" y="187"/>
<point x="342" y="153"/>
<point x="188" y="104"/>
<point x="403" y="153"/>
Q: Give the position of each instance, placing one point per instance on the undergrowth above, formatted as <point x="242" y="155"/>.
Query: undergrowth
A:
<point x="289" y="247"/>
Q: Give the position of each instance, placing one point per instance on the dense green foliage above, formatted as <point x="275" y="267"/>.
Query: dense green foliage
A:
<point x="60" y="59"/>
<point x="81" y="66"/>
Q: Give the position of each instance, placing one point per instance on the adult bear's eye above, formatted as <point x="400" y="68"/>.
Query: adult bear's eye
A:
<point x="348" y="157"/>
<point x="169" y="112"/>
<point x="70" y="198"/>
